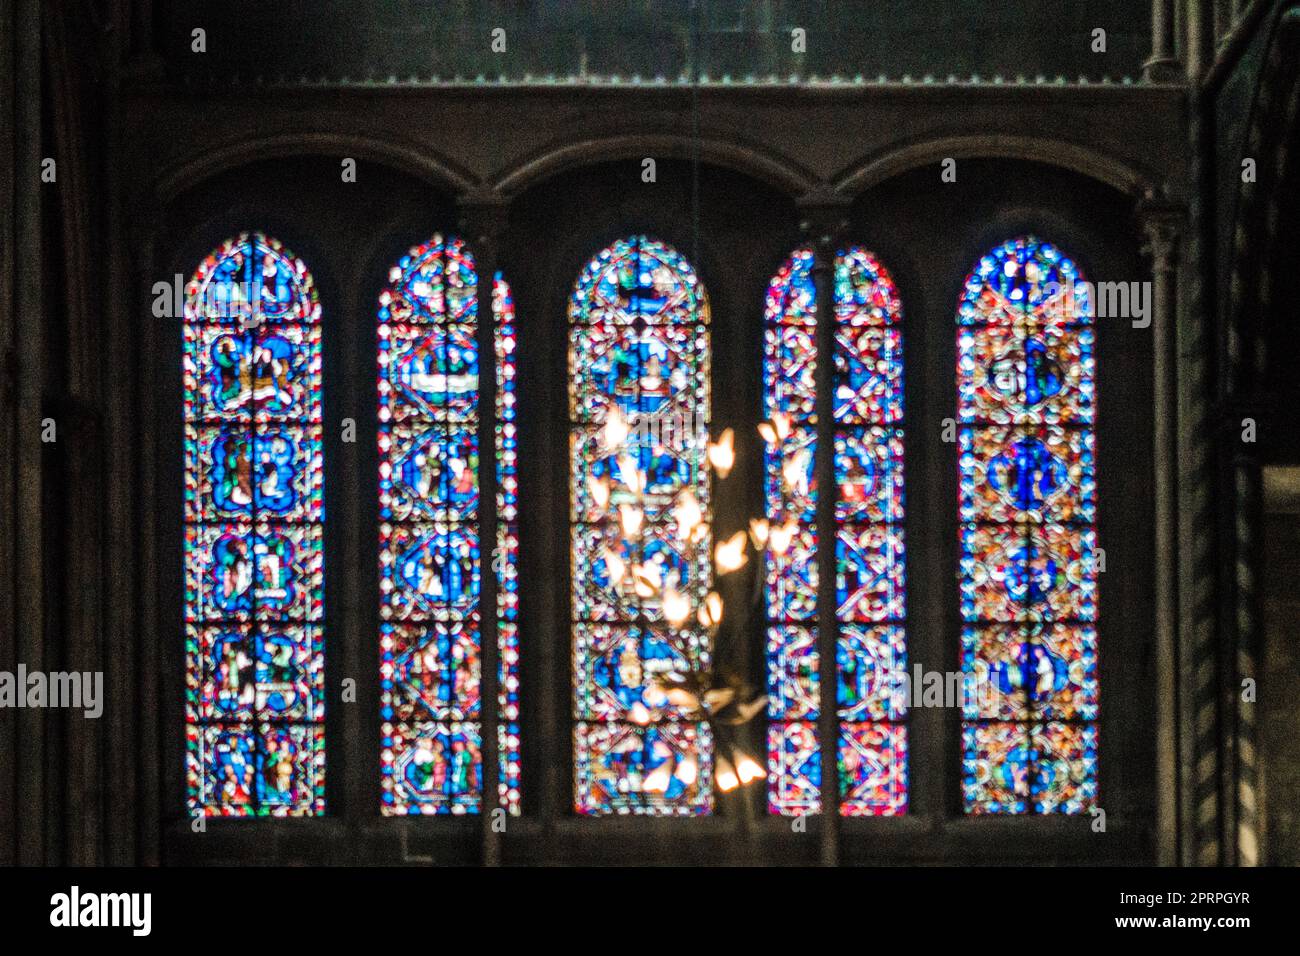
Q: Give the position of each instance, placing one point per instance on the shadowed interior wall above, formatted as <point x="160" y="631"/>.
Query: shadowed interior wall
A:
<point x="742" y="40"/>
<point x="1279" y="682"/>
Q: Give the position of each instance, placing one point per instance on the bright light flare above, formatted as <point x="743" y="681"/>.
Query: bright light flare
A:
<point x="730" y="554"/>
<point x="676" y="607"/>
<point x="631" y="518"/>
<point x="722" y="453"/>
<point x="780" y="539"/>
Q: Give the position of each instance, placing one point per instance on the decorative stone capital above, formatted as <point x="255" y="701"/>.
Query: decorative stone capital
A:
<point x="823" y="221"/>
<point x="482" y="217"/>
<point x="1161" y="222"/>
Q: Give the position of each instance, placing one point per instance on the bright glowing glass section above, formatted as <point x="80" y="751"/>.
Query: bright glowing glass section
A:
<point x="638" y="409"/>
<point x="869" y="549"/>
<point x="1026" y="408"/>
<point x="253" y="535"/>
<point x="429" y="552"/>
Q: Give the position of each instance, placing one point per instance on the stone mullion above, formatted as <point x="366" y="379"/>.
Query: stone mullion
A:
<point x="481" y="222"/>
<point x="823" y="226"/>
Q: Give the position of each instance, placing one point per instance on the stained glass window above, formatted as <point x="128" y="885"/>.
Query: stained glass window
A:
<point x="253" y="534"/>
<point x="638" y="408"/>
<point x="429" y="551"/>
<point x="869" y="548"/>
<point x="1026" y="410"/>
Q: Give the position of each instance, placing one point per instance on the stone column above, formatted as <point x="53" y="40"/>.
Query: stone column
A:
<point x="30" y="365"/>
<point x="1162" y="65"/>
<point x="1160" y="224"/>
<point x="1199" y="25"/>
<point x="824" y="222"/>
<point x="482" y="217"/>
<point x="1242" y="739"/>
<point x="1222" y="18"/>
<point x="8" y="388"/>
<point x="141" y="48"/>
